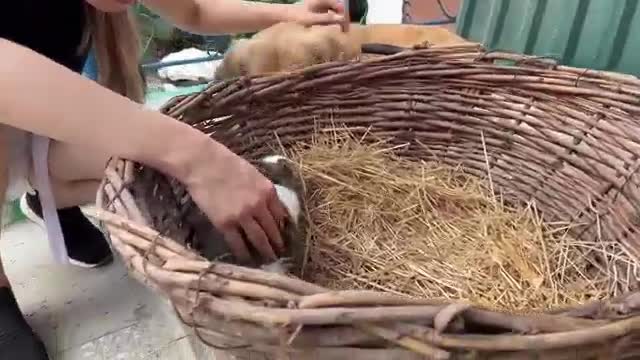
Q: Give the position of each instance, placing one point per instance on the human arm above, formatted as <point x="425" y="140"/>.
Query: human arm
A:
<point x="45" y="98"/>
<point x="236" y="16"/>
<point x="42" y="97"/>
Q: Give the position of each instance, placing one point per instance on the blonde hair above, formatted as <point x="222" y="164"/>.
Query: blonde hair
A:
<point x="116" y="42"/>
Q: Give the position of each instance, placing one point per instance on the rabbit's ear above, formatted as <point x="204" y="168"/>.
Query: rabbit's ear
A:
<point x="278" y="168"/>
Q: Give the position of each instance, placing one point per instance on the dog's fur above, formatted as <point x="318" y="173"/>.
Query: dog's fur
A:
<point x="290" y="46"/>
<point x="286" y="47"/>
<point x="405" y="35"/>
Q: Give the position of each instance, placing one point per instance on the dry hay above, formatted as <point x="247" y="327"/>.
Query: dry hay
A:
<point x="425" y="229"/>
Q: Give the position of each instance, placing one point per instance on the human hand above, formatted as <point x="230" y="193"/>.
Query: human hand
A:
<point x="320" y="12"/>
<point x="238" y="200"/>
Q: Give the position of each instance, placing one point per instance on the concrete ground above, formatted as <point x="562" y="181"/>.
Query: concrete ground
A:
<point x="97" y="314"/>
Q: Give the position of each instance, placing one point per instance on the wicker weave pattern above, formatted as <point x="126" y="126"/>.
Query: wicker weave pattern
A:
<point x="566" y="137"/>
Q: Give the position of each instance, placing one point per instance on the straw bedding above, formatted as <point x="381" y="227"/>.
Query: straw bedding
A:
<point x="429" y="230"/>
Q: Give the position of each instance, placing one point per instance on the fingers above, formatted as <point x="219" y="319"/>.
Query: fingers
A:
<point x="325" y="5"/>
<point x="326" y="12"/>
<point x="345" y="24"/>
<point x="236" y="244"/>
<point x="346" y="19"/>
<point x="263" y="232"/>
<point x="280" y="213"/>
<point x="270" y="226"/>
<point x="258" y="238"/>
<point x="337" y="6"/>
<point x="329" y="18"/>
<point x="270" y="219"/>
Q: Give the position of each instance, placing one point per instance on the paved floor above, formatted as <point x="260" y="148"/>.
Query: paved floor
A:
<point x="89" y="313"/>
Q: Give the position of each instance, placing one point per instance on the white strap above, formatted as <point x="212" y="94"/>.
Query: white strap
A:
<point x="40" y="155"/>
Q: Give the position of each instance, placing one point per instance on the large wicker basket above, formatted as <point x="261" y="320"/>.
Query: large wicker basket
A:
<point x="568" y="138"/>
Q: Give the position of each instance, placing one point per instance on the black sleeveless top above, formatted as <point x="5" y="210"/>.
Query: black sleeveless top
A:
<point x="53" y="28"/>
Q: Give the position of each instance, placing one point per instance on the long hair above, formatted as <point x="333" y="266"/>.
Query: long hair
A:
<point x="115" y="39"/>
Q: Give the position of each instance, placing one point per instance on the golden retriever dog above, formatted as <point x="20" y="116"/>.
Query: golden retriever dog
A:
<point x="291" y="46"/>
